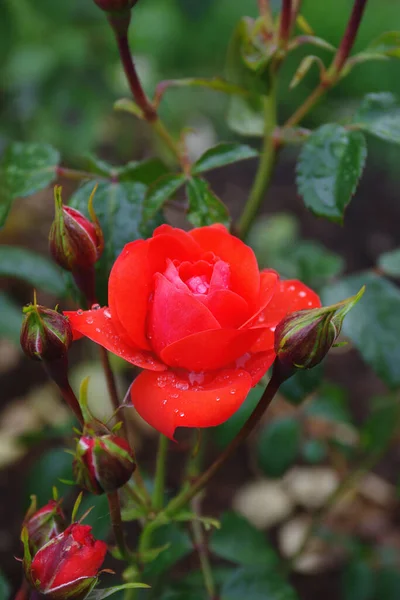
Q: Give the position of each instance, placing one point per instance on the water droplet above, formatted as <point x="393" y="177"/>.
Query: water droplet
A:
<point x="261" y="318"/>
<point x="180" y="385"/>
<point x="165" y="401"/>
<point x="196" y="378"/>
<point x="272" y="329"/>
<point x="107" y="314"/>
<point x="291" y="288"/>
<point x="176" y="410"/>
<point x="218" y="399"/>
<point x="302" y="294"/>
<point x="181" y="414"/>
<point x="232" y="392"/>
<point x="89" y="320"/>
<point x="99" y="331"/>
<point x="80" y="312"/>
<point x="175" y="396"/>
<point x="95" y="306"/>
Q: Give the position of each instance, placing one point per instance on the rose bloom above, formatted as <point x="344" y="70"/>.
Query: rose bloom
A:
<point x="194" y="312"/>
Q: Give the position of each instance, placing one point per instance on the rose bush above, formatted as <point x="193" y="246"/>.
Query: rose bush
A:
<point x="193" y="310"/>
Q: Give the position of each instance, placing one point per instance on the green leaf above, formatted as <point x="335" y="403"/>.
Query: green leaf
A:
<point x="221" y="155"/>
<point x="106" y="593"/>
<point x="146" y="171"/>
<point x="96" y="165"/>
<point x="387" y="43"/>
<point x="223" y="434"/>
<point x="239" y="542"/>
<point x="218" y="84"/>
<point x="24" y="170"/>
<point x="246" y="116"/>
<point x="379" y="114"/>
<point x="204" y="206"/>
<point x="389" y="263"/>
<point x="10" y="319"/>
<point x="53" y="465"/>
<point x="176" y="543"/>
<point x="374" y="325"/>
<point x="5" y="588"/>
<point x="278" y="446"/>
<point x="119" y="207"/>
<point x="159" y="193"/>
<point x="330" y="165"/>
<point x="381" y="424"/>
<point x="302" y="384"/>
<point x="33" y="268"/>
<point x="252" y="583"/>
<point x="247" y="62"/>
<point x="330" y="403"/>
<point x="358" y="581"/>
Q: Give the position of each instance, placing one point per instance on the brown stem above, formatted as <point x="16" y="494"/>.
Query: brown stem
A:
<point x="285" y="23"/>
<point x="69" y="397"/>
<point x="58" y="372"/>
<point x="23" y="592"/>
<point x="120" y="27"/>
<point x="116" y="521"/>
<point x="182" y="499"/>
<point x="350" y="35"/>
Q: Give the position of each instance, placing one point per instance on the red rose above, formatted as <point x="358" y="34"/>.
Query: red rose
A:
<point x="193" y="310"/>
<point x="68" y="565"/>
<point x="44" y="524"/>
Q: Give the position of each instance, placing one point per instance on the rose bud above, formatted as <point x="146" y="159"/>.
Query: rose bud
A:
<point x="45" y="334"/>
<point x="103" y="464"/>
<point x="75" y="242"/>
<point x="44" y="524"/>
<point x="66" y="568"/>
<point x="115" y="5"/>
<point x="303" y="338"/>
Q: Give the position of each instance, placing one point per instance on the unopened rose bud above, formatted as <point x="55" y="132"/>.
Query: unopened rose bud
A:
<point x="115" y="5"/>
<point x="103" y="463"/>
<point x="75" y="242"/>
<point x="66" y="568"/>
<point x="44" y="524"/>
<point x="303" y="338"/>
<point x="45" y="334"/>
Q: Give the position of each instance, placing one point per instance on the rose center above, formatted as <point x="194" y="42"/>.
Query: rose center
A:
<point x="198" y="284"/>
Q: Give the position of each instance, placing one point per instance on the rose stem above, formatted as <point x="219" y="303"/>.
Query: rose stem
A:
<point x="332" y="75"/>
<point x="58" y="372"/>
<point x="116" y="521"/>
<point x="285" y="24"/>
<point x="120" y="27"/>
<point x="271" y="144"/>
<point x="182" y="499"/>
<point x="201" y="547"/>
<point x="159" y="478"/>
<point x="265" y="167"/>
<point x="23" y="592"/>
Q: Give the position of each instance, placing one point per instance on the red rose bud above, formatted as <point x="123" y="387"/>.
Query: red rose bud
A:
<point x="75" y="242"/>
<point x="45" y="334"/>
<point x="66" y="568"/>
<point x="44" y="524"/>
<point x="103" y="464"/>
<point x="115" y="5"/>
<point x="303" y="338"/>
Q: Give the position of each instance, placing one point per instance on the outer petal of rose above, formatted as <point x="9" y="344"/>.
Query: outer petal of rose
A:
<point x="228" y="308"/>
<point x="129" y="287"/>
<point x="269" y="281"/>
<point x="292" y="295"/>
<point x="245" y="275"/>
<point x="167" y="401"/>
<point x="98" y="326"/>
<point x="256" y="364"/>
<point x="209" y="350"/>
<point x="175" y="314"/>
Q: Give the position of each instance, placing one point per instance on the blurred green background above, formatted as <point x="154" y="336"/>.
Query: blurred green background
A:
<point x="60" y="71"/>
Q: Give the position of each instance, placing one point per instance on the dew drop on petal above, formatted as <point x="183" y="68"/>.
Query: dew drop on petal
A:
<point x="181" y="414"/>
<point x="302" y="294"/>
<point x="218" y="399"/>
<point x="180" y="385"/>
<point x="89" y="320"/>
<point x="79" y="312"/>
<point x="232" y="391"/>
<point x="165" y="401"/>
<point x="99" y="331"/>
<point x="107" y="314"/>
<point x="95" y="306"/>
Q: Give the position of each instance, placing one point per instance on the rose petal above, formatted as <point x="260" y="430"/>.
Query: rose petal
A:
<point x="98" y="326"/>
<point x="228" y="308"/>
<point x="291" y="295"/>
<point x="208" y="350"/>
<point x="255" y="364"/>
<point x="169" y="400"/>
<point x="175" y="314"/>
<point x="245" y="276"/>
<point x="268" y="286"/>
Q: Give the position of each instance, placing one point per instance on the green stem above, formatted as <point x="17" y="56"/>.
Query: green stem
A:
<point x="159" y="479"/>
<point x="111" y="383"/>
<point x="76" y="175"/>
<point x="265" y="166"/>
<point x="201" y="547"/>
<point x="116" y="521"/>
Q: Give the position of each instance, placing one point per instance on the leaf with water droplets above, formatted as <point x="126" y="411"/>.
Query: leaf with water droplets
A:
<point x="379" y="115"/>
<point x="329" y="167"/>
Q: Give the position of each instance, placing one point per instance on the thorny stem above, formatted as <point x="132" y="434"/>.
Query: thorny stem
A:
<point x="265" y="167"/>
<point x="159" y="478"/>
<point x="332" y="75"/>
<point x="116" y="521"/>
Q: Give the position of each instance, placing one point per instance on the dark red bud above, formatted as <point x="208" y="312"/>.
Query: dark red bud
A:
<point x="44" y="524"/>
<point x="75" y="242"/>
<point x="66" y="568"/>
<point x="45" y="334"/>
<point x="103" y="464"/>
